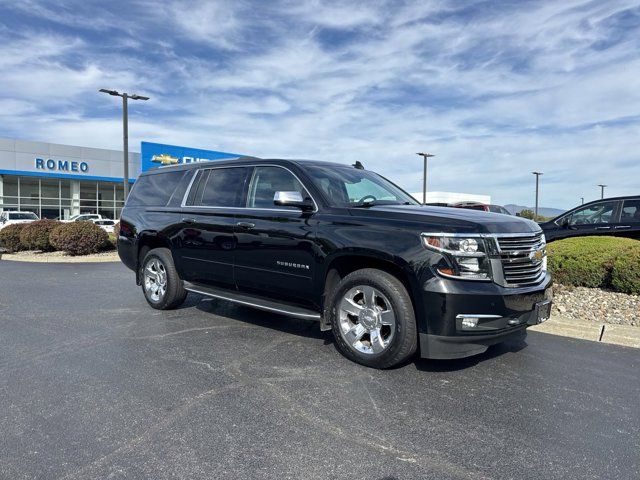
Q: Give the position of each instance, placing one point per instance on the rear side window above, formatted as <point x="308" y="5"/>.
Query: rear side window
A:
<point x="154" y="190"/>
<point x="630" y="211"/>
<point x="219" y="187"/>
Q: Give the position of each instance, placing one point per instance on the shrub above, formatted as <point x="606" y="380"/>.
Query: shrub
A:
<point x="625" y="275"/>
<point x="79" y="238"/>
<point x="116" y="229"/>
<point x="10" y="237"/>
<point x="594" y="261"/>
<point x="35" y="235"/>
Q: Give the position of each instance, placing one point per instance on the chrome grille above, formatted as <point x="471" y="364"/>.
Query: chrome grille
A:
<point x="519" y="264"/>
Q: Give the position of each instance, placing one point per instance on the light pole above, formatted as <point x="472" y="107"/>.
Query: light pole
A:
<point x="537" y="174"/>
<point x="125" y="130"/>
<point x="601" y="190"/>
<point x="424" y="177"/>
<point x="582" y="198"/>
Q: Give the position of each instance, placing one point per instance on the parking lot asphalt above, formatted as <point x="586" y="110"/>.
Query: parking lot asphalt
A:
<point x="96" y="384"/>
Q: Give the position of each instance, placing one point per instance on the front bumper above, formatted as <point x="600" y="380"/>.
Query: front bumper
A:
<point x="502" y="314"/>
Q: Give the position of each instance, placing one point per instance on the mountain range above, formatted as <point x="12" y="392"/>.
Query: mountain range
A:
<point x="544" y="211"/>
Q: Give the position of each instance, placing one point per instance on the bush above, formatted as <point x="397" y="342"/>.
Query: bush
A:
<point x="625" y="275"/>
<point x="595" y="262"/>
<point x="10" y="237"/>
<point x="35" y="235"/>
<point x="116" y="229"/>
<point x="79" y="238"/>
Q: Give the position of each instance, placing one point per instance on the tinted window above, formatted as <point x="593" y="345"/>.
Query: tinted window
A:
<point x="266" y="181"/>
<point x="344" y="186"/>
<point x="630" y="212"/>
<point x="223" y="187"/>
<point x="597" y="213"/>
<point x="498" y="209"/>
<point x="154" y="190"/>
<point x="22" y="216"/>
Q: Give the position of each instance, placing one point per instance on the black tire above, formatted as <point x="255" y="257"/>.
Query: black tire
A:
<point x="174" y="294"/>
<point x="403" y="343"/>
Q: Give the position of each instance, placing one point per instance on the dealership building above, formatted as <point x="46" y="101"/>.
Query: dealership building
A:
<point x="55" y="180"/>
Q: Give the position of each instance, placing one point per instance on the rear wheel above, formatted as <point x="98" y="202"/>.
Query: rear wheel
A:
<point x="161" y="285"/>
<point x="372" y="319"/>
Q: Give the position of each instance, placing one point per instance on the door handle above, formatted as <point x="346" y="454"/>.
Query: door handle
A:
<point x="622" y="226"/>
<point x="603" y="228"/>
<point x="247" y="225"/>
<point x="189" y="221"/>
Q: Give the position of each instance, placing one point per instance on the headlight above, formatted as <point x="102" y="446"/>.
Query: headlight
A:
<point x="467" y="257"/>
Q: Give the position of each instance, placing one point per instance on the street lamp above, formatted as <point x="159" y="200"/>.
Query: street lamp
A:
<point x="125" y="130"/>
<point x="424" y="177"/>
<point x="601" y="190"/>
<point x="537" y="174"/>
<point x="582" y="198"/>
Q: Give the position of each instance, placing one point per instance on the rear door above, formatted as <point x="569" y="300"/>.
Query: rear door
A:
<point x="276" y="245"/>
<point x="629" y="224"/>
<point x="205" y="239"/>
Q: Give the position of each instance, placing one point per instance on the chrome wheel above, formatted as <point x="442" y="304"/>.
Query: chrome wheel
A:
<point x="367" y="320"/>
<point x="155" y="279"/>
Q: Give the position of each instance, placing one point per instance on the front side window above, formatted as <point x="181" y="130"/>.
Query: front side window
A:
<point x="22" y="216"/>
<point x="630" y="212"/>
<point x="352" y="187"/>
<point x="221" y="187"/>
<point x="602" y="212"/>
<point x="266" y="181"/>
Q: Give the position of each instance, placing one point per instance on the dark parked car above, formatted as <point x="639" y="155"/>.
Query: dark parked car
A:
<point x="339" y="245"/>
<point x="481" y="206"/>
<point x="618" y="216"/>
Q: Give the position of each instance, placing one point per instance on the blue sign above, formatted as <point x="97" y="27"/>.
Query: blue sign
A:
<point x="155" y="155"/>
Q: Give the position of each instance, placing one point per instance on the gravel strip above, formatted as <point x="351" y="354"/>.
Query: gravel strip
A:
<point x="596" y="305"/>
<point x="60" y="257"/>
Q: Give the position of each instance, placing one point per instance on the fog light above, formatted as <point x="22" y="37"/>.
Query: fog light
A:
<point x="469" y="322"/>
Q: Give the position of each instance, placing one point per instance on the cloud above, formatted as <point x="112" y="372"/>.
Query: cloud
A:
<point x="495" y="89"/>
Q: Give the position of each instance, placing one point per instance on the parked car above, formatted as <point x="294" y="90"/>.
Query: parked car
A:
<point x="86" y="217"/>
<point x="481" y="206"/>
<point x="11" y="217"/>
<point x="106" y="225"/>
<point x="340" y="245"/>
<point x="619" y="216"/>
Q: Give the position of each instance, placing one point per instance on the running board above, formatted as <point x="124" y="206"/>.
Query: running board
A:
<point x="253" y="301"/>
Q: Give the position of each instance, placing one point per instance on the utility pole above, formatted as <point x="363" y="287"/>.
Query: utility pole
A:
<point x="537" y="174"/>
<point x="601" y="190"/>
<point x="424" y="176"/>
<point x="125" y="131"/>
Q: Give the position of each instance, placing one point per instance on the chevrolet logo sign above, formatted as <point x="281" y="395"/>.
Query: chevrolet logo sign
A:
<point x="537" y="255"/>
<point x="165" y="159"/>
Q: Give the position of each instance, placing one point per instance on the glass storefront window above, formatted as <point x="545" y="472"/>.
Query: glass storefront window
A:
<point x="53" y="198"/>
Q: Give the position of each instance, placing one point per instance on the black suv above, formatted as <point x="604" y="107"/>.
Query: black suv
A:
<point x="340" y="245"/>
<point x="619" y="216"/>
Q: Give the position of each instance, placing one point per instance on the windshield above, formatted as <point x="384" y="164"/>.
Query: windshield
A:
<point x="22" y="216"/>
<point x="352" y="187"/>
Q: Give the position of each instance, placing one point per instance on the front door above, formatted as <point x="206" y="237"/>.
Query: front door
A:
<point x="595" y="219"/>
<point x="206" y="242"/>
<point x="275" y="254"/>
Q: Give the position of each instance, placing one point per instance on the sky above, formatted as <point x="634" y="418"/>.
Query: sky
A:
<point x="495" y="89"/>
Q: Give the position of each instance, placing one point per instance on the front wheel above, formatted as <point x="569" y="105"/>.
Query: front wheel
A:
<point x="161" y="285"/>
<point x="372" y="319"/>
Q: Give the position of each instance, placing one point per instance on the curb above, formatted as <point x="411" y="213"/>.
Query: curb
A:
<point x="625" y="335"/>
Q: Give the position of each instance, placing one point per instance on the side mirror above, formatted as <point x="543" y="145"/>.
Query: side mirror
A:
<point x="292" y="199"/>
<point x="564" y="223"/>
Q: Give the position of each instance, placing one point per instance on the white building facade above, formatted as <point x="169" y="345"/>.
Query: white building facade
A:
<point x="58" y="181"/>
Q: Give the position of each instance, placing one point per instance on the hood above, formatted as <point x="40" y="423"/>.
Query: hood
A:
<point x="448" y="219"/>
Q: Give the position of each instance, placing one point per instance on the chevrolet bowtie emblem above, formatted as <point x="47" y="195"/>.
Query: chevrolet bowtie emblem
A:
<point x="537" y="255"/>
<point x="164" y="159"/>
